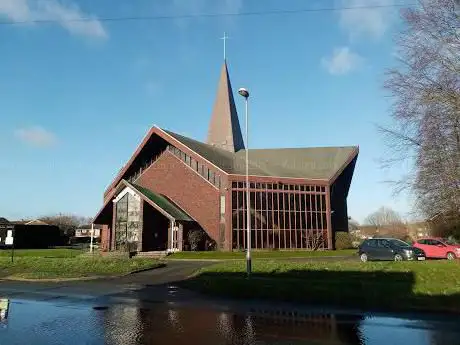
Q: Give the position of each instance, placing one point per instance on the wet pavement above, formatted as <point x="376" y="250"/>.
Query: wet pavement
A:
<point x="150" y="309"/>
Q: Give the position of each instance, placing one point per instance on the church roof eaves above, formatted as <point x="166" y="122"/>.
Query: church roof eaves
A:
<point x="311" y="163"/>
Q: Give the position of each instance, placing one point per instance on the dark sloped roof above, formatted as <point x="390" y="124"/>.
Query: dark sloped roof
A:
<point x="308" y="163"/>
<point x="164" y="203"/>
<point x="312" y="163"/>
<point x="4" y="221"/>
<point x="217" y="156"/>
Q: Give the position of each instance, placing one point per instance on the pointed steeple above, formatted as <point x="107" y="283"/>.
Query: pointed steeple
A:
<point x="224" y="129"/>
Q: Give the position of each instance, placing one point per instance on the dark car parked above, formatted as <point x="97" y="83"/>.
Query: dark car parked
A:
<point x="388" y="249"/>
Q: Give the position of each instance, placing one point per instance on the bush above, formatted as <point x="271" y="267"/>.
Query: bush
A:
<point x="343" y="241"/>
<point x="195" y="237"/>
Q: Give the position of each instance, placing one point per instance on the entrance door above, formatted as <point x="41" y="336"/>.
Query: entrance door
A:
<point x="157" y="229"/>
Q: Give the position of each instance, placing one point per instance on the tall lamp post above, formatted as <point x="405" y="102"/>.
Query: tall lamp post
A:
<point x="245" y="93"/>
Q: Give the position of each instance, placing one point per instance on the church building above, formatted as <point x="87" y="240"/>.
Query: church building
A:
<point x="175" y="189"/>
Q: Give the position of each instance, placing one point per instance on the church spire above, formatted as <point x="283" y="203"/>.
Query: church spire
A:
<point x="224" y="128"/>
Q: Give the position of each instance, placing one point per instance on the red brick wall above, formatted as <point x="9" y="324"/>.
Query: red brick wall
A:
<point x="105" y="238"/>
<point x="171" y="177"/>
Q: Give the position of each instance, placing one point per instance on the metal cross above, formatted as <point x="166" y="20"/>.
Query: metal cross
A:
<point x="225" y="38"/>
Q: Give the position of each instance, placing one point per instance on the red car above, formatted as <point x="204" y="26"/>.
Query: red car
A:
<point x="438" y="248"/>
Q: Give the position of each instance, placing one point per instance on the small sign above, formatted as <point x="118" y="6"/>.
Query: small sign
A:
<point x="9" y="238"/>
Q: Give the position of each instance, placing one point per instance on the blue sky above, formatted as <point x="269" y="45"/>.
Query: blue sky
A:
<point x="78" y="97"/>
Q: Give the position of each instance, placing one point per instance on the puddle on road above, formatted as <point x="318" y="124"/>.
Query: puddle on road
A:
<point x="28" y="322"/>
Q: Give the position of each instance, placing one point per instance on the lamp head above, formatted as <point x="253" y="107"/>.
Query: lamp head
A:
<point x="243" y="92"/>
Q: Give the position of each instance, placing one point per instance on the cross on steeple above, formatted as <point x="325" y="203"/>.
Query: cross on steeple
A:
<point x="225" y="38"/>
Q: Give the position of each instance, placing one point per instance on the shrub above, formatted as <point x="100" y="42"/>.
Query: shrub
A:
<point x="195" y="237"/>
<point x="343" y="241"/>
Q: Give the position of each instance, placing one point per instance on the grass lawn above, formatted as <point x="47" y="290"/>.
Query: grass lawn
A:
<point x="260" y="254"/>
<point x="49" y="268"/>
<point x="431" y="285"/>
<point x="43" y="253"/>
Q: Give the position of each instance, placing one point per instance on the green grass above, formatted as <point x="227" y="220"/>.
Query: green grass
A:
<point x="260" y="254"/>
<point x="50" y="268"/>
<point x="42" y="253"/>
<point x="431" y="285"/>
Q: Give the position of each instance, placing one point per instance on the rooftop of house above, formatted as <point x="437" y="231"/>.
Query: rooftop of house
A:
<point x="88" y="227"/>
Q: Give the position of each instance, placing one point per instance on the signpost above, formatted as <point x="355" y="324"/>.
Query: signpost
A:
<point x="7" y="238"/>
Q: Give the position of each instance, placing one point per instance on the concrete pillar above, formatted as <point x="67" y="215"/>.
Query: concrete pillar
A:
<point x="330" y="234"/>
<point x="141" y="226"/>
<point x="180" y="237"/>
<point x="112" y="232"/>
<point x="171" y="224"/>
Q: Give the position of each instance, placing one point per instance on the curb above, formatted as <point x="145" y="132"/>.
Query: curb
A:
<point x="273" y="259"/>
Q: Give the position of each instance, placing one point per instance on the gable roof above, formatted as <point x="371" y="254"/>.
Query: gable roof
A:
<point x="4" y="221"/>
<point x="36" y="222"/>
<point x="224" y="129"/>
<point x="163" y="202"/>
<point x="311" y="163"/>
<point x="321" y="163"/>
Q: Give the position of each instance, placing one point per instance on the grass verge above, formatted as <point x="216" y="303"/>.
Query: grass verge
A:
<point x="43" y="253"/>
<point x="261" y="254"/>
<point x="61" y="268"/>
<point x="428" y="286"/>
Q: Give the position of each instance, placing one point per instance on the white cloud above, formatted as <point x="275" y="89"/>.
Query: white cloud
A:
<point x="342" y="61"/>
<point x="36" y="136"/>
<point x="371" y="22"/>
<point x="67" y="14"/>
<point x="17" y="10"/>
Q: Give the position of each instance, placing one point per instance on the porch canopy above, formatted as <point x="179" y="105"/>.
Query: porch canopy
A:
<point x="159" y="202"/>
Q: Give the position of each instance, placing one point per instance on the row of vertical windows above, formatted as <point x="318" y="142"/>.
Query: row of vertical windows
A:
<point x="201" y="169"/>
<point x="279" y="219"/>
<point x="280" y="186"/>
<point x="142" y="166"/>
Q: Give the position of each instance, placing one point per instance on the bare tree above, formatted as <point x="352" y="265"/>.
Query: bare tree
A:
<point x="387" y="222"/>
<point x="67" y="223"/>
<point x="384" y="216"/>
<point x="426" y="110"/>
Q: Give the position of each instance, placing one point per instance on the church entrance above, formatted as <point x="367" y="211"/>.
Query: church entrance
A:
<point x="155" y="230"/>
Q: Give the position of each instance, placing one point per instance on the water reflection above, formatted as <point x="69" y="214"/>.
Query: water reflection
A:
<point x="204" y="326"/>
<point x="4" y="308"/>
<point x="140" y="324"/>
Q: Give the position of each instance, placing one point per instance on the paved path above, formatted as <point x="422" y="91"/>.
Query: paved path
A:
<point x="160" y="278"/>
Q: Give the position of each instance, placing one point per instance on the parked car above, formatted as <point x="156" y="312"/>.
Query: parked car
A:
<point x="388" y="249"/>
<point x="438" y="248"/>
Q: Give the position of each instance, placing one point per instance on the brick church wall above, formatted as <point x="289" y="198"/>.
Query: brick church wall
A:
<point x="171" y="177"/>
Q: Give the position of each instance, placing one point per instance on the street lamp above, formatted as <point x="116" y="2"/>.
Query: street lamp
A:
<point x="245" y="93"/>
